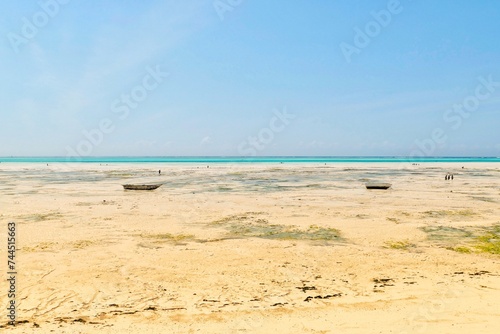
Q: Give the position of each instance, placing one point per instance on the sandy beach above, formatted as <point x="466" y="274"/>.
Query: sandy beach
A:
<point x="257" y="248"/>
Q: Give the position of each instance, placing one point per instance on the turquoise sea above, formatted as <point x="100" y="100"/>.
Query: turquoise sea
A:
<point x="232" y="160"/>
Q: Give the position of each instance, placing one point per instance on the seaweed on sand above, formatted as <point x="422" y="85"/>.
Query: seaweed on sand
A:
<point x="402" y="245"/>
<point x="247" y="225"/>
<point x="485" y="239"/>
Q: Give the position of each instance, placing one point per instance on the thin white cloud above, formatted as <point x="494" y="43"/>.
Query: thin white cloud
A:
<point x="206" y="140"/>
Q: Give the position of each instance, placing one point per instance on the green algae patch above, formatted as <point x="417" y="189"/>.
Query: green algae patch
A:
<point x="460" y="249"/>
<point x="118" y="174"/>
<point x="401" y="245"/>
<point x="453" y="214"/>
<point x="466" y="240"/>
<point x="250" y="225"/>
<point x="488" y="243"/>
<point x="446" y="233"/>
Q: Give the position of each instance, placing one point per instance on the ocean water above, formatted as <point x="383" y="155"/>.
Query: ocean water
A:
<point x="244" y="160"/>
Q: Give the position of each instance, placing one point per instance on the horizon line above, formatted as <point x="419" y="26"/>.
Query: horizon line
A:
<point x="246" y="157"/>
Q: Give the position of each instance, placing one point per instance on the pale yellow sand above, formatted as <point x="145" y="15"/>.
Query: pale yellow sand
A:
<point x="202" y="255"/>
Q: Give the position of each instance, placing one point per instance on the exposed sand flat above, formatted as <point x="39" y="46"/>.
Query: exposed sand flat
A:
<point x="254" y="248"/>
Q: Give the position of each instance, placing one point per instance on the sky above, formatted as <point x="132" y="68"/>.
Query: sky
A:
<point x="250" y="77"/>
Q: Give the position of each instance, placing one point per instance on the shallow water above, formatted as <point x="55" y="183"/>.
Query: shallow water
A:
<point x="39" y="179"/>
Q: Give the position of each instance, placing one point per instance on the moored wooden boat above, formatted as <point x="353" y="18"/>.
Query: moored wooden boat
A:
<point x="383" y="186"/>
<point x="141" y="186"/>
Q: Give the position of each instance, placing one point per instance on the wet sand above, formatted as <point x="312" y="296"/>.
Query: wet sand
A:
<point x="254" y="248"/>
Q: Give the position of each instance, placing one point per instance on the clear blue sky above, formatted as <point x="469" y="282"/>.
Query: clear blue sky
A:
<point x="231" y="64"/>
